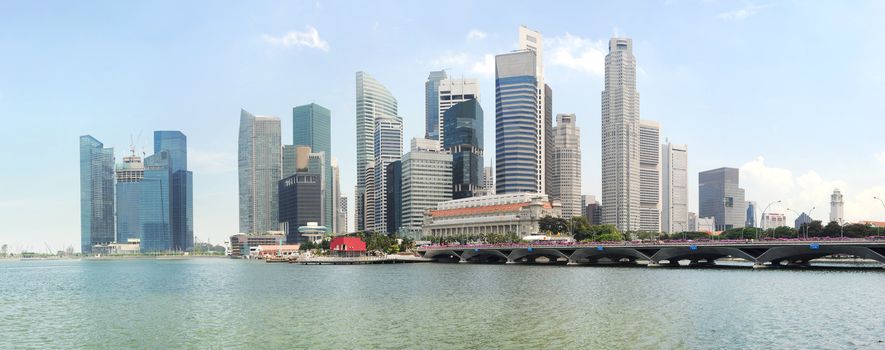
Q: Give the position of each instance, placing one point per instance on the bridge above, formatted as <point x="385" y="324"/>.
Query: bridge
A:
<point x="760" y="253"/>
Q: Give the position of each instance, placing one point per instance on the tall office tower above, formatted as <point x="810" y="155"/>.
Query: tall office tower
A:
<point x="372" y="101"/>
<point x="649" y="176"/>
<point x="518" y="143"/>
<point x="128" y="196"/>
<point x="488" y="181"/>
<point x="260" y="164"/>
<point x="674" y="195"/>
<point x="312" y="127"/>
<point x="96" y="193"/>
<point x="548" y="142"/>
<point x="393" y="193"/>
<point x="620" y="138"/>
<point x="182" y="191"/>
<point x="342" y="215"/>
<point x="336" y="194"/>
<point x="388" y="148"/>
<point x="368" y="201"/>
<point x="566" y="174"/>
<point x="751" y="214"/>
<point x="300" y="202"/>
<point x="426" y="181"/>
<point x="836" y="207"/>
<point x="289" y="156"/>
<point x="692" y="222"/>
<point x="431" y="104"/>
<point x="318" y="164"/>
<point x="720" y="197"/>
<point x="154" y="210"/>
<point x="453" y="92"/>
<point x="464" y="141"/>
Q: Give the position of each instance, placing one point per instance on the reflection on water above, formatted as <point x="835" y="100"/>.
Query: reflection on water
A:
<point x="221" y="303"/>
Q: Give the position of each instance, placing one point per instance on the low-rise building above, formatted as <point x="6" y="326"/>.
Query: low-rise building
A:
<point x="275" y="250"/>
<point x="240" y="244"/>
<point x="506" y="213"/>
<point x="347" y="246"/>
<point x="773" y="220"/>
<point x="707" y="225"/>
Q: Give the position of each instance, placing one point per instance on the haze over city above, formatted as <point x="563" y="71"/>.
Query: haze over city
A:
<point x="791" y="94"/>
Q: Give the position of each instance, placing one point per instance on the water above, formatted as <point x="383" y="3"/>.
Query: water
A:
<point x="220" y="303"/>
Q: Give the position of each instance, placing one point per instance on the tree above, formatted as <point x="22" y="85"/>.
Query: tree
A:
<point x="4" y="250"/>
<point x="832" y="229"/>
<point x="604" y="233"/>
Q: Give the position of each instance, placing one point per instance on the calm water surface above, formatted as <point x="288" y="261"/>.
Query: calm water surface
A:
<point x="220" y="303"/>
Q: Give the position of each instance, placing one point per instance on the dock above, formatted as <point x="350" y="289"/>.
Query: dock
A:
<point x="359" y="260"/>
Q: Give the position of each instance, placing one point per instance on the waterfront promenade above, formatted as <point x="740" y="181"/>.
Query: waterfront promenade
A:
<point x="765" y="253"/>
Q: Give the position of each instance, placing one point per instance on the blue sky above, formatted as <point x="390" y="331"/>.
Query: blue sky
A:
<point x="793" y="92"/>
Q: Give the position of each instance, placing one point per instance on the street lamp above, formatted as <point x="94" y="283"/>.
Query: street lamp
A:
<point x="797" y="231"/>
<point x="762" y="217"/>
<point x="883" y="205"/>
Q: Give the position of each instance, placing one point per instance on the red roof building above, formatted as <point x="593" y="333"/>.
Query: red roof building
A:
<point x="347" y="246"/>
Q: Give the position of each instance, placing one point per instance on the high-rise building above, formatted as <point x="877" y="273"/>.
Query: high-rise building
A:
<point x="692" y="222"/>
<point x="488" y="181"/>
<point x="620" y="138"/>
<point x="260" y="163"/>
<point x="802" y="219"/>
<point x="300" y="202"/>
<point x="182" y="192"/>
<point x="393" y="191"/>
<point x="566" y="163"/>
<point x="464" y="141"/>
<point x="451" y="93"/>
<point x="431" y="104"/>
<point x="96" y="193"/>
<point x="368" y="201"/>
<point x="426" y="182"/>
<point x="532" y="40"/>
<point x="342" y="215"/>
<point x="388" y="148"/>
<point x="674" y="183"/>
<point x="128" y="196"/>
<point x="649" y="176"/>
<point x="336" y="196"/>
<point x="154" y="210"/>
<point x="290" y="155"/>
<point x="547" y="140"/>
<point x="312" y="127"/>
<point x="751" y="214"/>
<point x="518" y="151"/>
<point x="373" y="100"/>
<point x="591" y="209"/>
<point x="720" y="197"/>
<point x="836" y="207"/>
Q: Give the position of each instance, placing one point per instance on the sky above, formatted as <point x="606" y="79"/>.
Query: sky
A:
<point x="790" y="92"/>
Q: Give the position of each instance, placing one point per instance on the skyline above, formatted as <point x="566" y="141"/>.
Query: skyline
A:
<point x="682" y="96"/>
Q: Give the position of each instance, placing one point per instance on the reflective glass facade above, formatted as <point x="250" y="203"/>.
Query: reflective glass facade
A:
<point x="463" y="125"/>
<point x="431" y="104"/>
<point x="96" y="193"/>
<point x="312" y="127"/>
<point x="373" y="100"/>
<point x="394" y="195"/>
<point x="156" y="204"/>
<point x="518" y="151"/>
<point x="175" y="144"/>
<point x="300" y="197"/>
<point x="259" y="162"/>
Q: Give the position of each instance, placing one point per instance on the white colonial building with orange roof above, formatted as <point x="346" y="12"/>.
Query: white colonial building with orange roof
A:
<point x="505" y="213"/>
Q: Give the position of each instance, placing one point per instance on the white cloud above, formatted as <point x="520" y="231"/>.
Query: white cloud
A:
<point x="476" y="34"/>
<point x="879" y="156"/>
<point x="204" y="162"/>
<point x="577" y="53"/>
<point x="310" y="39"/>
<point x="485" y="67"/>
<point x="742" y="14"/>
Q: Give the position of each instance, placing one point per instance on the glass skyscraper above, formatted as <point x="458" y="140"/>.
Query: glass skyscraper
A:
<point x="431" y="104"/>
<point x="463" y="124"/>
<point x="312" y="127"/>
<point x="373" y="100"/>
<point x="518" y="151"/>
<point x="175" y="144"/>
<point x="96" y="193"/>
<point x="259" y="163"/>
<point x="130" y="174"/>
<point x="155" y="205"/>
<point x="388" y="149"/>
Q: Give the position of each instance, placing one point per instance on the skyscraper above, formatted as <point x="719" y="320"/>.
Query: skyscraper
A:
<point x="336" y="195"/>
<point x="181" y="189"/>
<point x="620" y="138"/>
<point x="566" y="174"/>
<point x="518" y="151"/>
<point x="300" y="202"/>
<point x="260" y="163"/>
<point x="463" y="124"/>
<point x="720" y="197"/>
<point x="128" y="196"/>
<point x="453" y="92"/>
<point x="342" y="215"/>
<point x="488" y="181"/>
<point x="649" y="176"/>
<point x="289" y="156"/>
<point x="96" y="193"/>
<point x="388" y="148"/>
<point x="431" y="104"/>
<point x="155" y="207"/>
<point x="591" y="209"/>
<point x="675" y="188"/>
<point x="751" y="214"/>
<point x="312" y="127"/>
<point x="426" y="181"/>
<point x="372" y="101"/>
<point x="836" y="207"/>
<point x="393" y="192"/>
<point x="547" y="141"/>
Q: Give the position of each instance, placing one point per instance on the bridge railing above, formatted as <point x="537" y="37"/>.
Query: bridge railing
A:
<point x="770" y="241"/>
